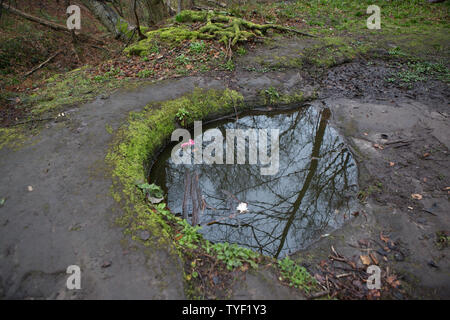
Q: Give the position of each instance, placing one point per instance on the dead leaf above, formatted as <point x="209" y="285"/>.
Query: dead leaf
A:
<point x="374" y="258"/>
<point x="352" y="264"/>
<point x="427" y="154"/>
<point x="319" y="278"/>
<point x="365" y="260"/>
<point x="416" y="196"/>
<point x="393" y="282"/>
<point x="363" y="242"/>
<point x="383" y="238"/>
<point x="178" y="237"/>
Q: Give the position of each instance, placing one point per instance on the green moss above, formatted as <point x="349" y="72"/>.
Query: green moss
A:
<point x="171" y="35"/>
<point x="191" y="16"/>
<point x="335" y="50"/>
<point x="144" y="133"/>
<point x="296" y="276"/>
<point x="74" y="87"/>
<point x="123" y="27"/>
<point x="272" y="96"/>
<point x="109" y="129"/>
<point x="11" y="137"/>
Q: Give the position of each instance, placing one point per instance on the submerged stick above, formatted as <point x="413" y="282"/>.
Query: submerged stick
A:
<point x="187" y="191"/>
<point x="195" y="204"/>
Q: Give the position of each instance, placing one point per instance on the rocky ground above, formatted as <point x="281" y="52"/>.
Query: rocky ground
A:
<point x="59" y="210"/>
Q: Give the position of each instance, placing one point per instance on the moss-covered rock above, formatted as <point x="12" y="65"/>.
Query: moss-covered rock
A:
<point x="170" y="35"/>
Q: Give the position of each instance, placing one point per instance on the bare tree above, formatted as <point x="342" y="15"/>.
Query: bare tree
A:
<point x="138" y="27"/>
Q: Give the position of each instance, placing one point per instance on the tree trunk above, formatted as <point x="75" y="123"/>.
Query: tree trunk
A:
<point x="138" y="27"/>
<point x="157" y="11"/>
<point x="119" y="27"/>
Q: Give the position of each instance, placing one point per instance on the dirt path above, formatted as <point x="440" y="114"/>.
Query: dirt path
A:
<point x="68" y="217"/>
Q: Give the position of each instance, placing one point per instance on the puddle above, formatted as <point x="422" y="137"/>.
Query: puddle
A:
<point x="312" y="193"/>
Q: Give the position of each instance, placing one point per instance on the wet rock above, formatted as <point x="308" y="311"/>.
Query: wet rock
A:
<point x="145" y="235"/>
<point x="422" y="220"/>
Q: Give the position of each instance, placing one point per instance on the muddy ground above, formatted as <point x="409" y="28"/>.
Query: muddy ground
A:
<point x="68" y="217"/>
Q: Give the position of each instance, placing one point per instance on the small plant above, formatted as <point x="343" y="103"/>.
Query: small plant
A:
<point x="272" y="94"/>
<point x="420" y="71"/>
<point x="99" y="78"/>
<point x="154" y="48"/>
<point x="364" y="194"/>
<point x="397" y="52"/>
<point x="229" y="65"/>
<point x="197" y="47"/>
<point x="182" y="59"/>
<point x="297" y="276"/>
<point x="182" y="116"/>
<point x="112" y="72"/>
<point x="145" y="73"/>
<point x="241" y="51"/>
<point x="152" y="192"/>
<point x="233" y="255"/>
<point x="189" y="237"/>
<point x="442" y="239"/>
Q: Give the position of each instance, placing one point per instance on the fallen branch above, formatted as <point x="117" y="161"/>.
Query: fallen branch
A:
<point x="42" y="64"/>
<point x="49" y="24"/>
<point x="317" y="295"/>
<point x="32" y="120"/>
<point x="27" y="16"/>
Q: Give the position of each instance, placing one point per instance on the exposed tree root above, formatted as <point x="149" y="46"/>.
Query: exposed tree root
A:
<point x="227" y="28"/>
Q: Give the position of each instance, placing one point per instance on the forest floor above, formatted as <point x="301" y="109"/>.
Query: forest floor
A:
<point x="388" y="93"/>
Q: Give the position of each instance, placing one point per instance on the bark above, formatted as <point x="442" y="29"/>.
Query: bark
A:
<point x="157" y="11"/>
<point x="115" y="24"/>
<point x="74" y="37"/>
<point x="138" y="27"/>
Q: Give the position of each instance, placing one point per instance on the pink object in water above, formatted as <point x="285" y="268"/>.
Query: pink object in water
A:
<point x="187" y="144"/>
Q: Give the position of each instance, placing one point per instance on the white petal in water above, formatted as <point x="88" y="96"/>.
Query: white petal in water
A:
<point x="242" y="207"/>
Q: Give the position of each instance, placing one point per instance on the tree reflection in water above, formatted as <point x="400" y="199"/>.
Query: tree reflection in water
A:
<point x="310" y="195"/>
